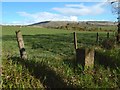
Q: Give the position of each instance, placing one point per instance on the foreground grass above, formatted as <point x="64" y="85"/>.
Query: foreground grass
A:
<point x="51" y="61"/>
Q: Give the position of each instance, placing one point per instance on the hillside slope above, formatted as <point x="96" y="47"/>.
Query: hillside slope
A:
<point x="80" y="26"/>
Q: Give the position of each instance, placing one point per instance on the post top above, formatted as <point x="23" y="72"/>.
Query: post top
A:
<point x="17" y="31"/>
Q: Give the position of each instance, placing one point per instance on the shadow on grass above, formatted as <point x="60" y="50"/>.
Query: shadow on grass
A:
<point x="99" y="59"/>
<point x="49" y="78"/>
<point x="106" y="61"/>
<point x="110" y="62"/>
<point x="71" y="62"/>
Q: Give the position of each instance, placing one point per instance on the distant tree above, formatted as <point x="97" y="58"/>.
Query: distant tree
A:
<point x="116" y="10"/>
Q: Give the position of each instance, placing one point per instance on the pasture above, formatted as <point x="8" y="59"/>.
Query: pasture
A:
<point x="51" y="60"/>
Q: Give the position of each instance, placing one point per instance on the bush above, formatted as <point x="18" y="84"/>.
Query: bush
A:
<point x="108" y="43"/>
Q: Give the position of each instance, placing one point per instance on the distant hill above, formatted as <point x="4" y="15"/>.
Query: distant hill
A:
<point x="62" y="23"/>
<point x="70" y="25"/>
<point x="51" y="23"/>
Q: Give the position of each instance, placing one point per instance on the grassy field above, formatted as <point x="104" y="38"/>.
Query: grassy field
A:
<point x="51" y="58"/>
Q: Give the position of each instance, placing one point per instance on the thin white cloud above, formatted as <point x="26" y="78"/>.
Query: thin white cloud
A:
<point x="81" y="9"/>
<point x="53" y="0"/>
<point x="16" y="23"/>
<point x="24" y="14"/>
<point x="73" y="18"/>
<point x="94" y="20"/>
<point x="81" y="5"/>
<point x="46" y="16"/>
<point x="113" y="0"/>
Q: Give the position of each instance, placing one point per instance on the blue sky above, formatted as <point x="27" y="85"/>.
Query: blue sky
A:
<point x="32" y="12"/>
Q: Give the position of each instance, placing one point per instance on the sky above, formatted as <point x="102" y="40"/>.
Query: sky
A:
<point x="24" y="13"/>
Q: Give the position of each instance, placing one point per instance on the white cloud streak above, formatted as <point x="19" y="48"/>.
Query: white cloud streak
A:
<point x="81" y="9"/>
<point x="94" y="20"/>
<point x="46" y="16"/>
<point x="54" y="0"/>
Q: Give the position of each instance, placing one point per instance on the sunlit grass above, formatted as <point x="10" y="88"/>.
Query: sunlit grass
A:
<point x="51" y="58"/>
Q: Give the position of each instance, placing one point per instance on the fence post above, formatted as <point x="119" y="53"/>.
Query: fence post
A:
<point x="118" y="38"/>
<point x="97" y="38"/>
<point x="75" y="40"/>
<point x="21" y="45"/>
<point x="108" y="35"/>
<point x="85" y="57"/>
<point x="89" y="58"/>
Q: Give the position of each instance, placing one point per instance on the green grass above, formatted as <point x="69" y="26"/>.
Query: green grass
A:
<point x="51" y="58"/>
<point x="9" y="30"/>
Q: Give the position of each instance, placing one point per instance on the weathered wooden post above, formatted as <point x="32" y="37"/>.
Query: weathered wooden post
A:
<point x="1" y="81"/>
<point x="89" y="58"/>
<point x="108" y="35"/>
<point x="84" y="56"/>
<point x="97" y="38"/>
<point x="118" y="38"/>
<point x="0" y="70"/>
<point x="75" y="46"/>
<point x="114" y="33"/>
<point x="21" y="45"/>
<point x="75" y="40"/>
